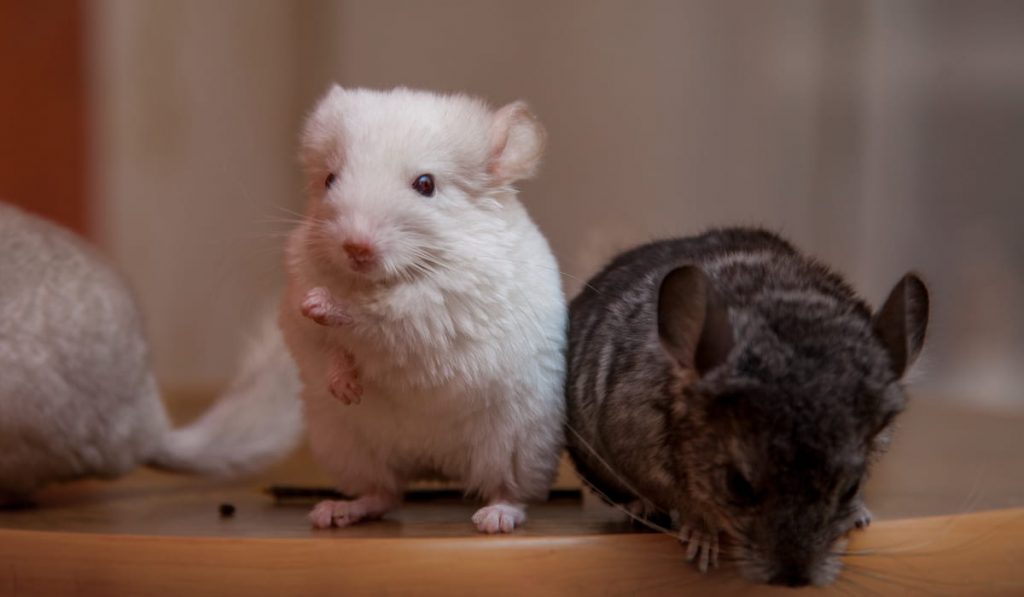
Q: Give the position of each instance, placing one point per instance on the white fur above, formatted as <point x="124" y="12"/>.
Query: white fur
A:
<point x="77" y="395"/>
<point x="459" y="332"/>
<point x="255" y="422"/>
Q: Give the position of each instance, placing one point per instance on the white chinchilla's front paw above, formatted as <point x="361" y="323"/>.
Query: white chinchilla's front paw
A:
<point x="321" y="307"/>
<point x="343" y="379"/>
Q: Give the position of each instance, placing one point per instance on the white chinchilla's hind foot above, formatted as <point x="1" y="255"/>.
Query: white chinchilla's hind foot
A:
<point x="342" y="513"/>
<point x="499" y="516"/>
<point x="701" y="545"/>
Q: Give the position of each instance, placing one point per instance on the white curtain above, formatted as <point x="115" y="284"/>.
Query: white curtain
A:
<point x="880" y="136"/>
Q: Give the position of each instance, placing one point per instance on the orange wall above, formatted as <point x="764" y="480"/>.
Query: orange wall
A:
<point x="42" y="109"/>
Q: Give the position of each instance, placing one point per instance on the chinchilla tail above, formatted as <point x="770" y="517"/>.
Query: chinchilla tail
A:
<point x="256" y="422"/>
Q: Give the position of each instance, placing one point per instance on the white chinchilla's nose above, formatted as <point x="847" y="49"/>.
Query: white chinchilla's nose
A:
<point x="358" y="240"/>
<point x="361" y="254"/>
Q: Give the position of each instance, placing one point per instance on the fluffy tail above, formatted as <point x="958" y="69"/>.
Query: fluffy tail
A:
<point x="256" y="422"/>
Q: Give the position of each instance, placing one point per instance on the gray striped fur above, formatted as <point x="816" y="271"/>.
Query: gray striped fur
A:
<point x="798" y="407"/>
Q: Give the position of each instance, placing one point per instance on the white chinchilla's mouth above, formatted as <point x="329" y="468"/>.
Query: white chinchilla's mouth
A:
<point x="385" y="274"/>
<point x="365" y="269"/>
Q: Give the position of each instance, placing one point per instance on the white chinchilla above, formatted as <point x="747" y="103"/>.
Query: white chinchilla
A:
<point x="77" y="395"/>
<point x="424" y="308"/>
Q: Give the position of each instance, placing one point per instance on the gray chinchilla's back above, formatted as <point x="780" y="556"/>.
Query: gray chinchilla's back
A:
<point x="78" y="397"/>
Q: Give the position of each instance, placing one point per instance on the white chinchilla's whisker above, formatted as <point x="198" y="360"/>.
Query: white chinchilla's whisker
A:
<point x="288" y="217"/>
<point x="541" y="266"/>
<point x="437" y="264"/>
<point x="278" y="222"/>
<point x="434" y="265"/>
<point x="301" y="217"/>
<point x="428" y="261"/>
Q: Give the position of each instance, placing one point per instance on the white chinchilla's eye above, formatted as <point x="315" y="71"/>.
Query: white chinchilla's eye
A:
<point x="424" y="185"/>
<point x="330" y="180"/>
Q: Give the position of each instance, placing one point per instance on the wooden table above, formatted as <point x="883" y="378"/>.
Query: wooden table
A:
<point x="948" y="502"/>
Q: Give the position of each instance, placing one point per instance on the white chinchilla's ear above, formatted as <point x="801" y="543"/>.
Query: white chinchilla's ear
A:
<point x="320" y="135"/>
<point x="517" y="143"/>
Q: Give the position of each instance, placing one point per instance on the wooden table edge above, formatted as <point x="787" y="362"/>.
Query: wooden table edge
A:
<point x="981" y="551"/>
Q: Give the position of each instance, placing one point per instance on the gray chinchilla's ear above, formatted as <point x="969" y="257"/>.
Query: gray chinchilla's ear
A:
<point x="517" y="143"/>
<point x="693" y="324"/>
<point x="901" y="322"/>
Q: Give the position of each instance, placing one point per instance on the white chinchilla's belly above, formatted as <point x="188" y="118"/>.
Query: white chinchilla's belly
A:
<point x="390" y="438"/>
<point x="500" y="402"/>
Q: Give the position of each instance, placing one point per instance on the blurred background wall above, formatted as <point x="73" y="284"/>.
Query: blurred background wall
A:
<point x="881" y="136"/>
